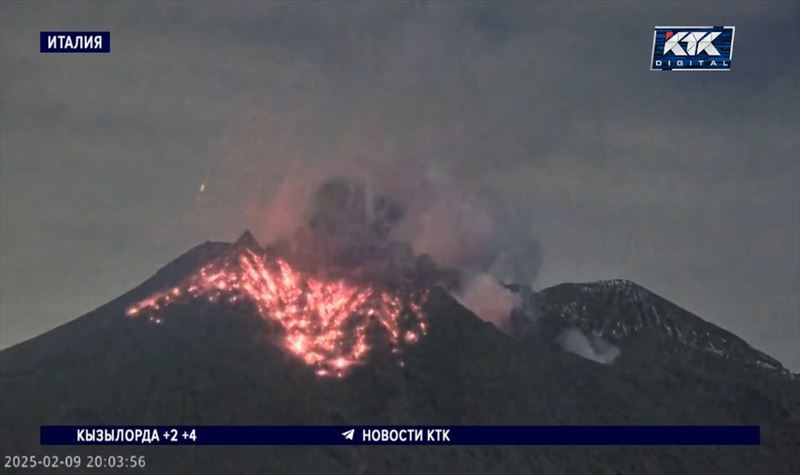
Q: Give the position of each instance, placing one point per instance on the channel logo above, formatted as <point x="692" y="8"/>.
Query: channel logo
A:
<point x="692" y="48"/>
<point x="75" y="42"/>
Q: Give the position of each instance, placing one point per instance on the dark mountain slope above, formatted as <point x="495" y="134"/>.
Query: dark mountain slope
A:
<point x="670" y="350"/>
<point x="217" y="364"/>
<point x="620" y="310"/>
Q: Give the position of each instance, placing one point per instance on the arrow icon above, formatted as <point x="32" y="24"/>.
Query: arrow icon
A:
<point x="349" y="434"/>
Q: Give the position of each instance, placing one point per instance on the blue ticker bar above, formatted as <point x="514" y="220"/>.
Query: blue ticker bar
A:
<point x="400" y="435"/>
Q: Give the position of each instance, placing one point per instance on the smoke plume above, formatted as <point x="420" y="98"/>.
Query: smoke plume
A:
<point x="594" y="348"/>
<point x="485" y="296"/>
<point x="354" y="205"/>
<point x="352" y="230"/>
<point x="349" y="233"/>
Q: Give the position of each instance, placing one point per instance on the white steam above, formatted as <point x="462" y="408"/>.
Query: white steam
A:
<point x="484" y="295"/>
<point x="595" y="349"/>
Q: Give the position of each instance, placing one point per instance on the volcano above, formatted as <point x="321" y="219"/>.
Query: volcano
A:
<point x="322" y="320"/>
<point x="230" y="334"/>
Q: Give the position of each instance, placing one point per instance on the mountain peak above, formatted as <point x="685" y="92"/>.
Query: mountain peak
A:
<point x="215" y="362"/>
<point x="620" y="311"/>
<point x="247" y="241"/>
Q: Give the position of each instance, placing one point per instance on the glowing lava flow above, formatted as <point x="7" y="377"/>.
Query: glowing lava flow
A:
<point x="325" y="322"/>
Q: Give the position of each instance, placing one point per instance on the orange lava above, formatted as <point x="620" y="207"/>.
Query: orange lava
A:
<point x="325" y="321"/>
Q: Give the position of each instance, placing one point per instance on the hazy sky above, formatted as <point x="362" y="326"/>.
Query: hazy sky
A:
<point x="687" y="183"/>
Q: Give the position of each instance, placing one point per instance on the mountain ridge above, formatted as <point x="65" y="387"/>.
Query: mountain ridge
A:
<point x="598" y="307"/>
<point x="217" y="363"/>
<point x="557" y="301"/>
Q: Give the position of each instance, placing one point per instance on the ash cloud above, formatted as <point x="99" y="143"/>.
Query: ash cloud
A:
<point x="351" y="228"/>
<point x="349" y="234"/>
<point x="485" y="296"/>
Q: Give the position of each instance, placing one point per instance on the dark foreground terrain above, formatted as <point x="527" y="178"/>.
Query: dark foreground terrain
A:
<point x="212" y="364"/>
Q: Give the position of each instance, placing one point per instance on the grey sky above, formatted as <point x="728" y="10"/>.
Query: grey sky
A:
<point x="688" y="184"/>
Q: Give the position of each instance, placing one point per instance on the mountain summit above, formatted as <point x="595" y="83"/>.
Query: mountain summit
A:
<point x="247" y="241"/>
<point x="212" y="359"/>
<point x="621" y="311"/>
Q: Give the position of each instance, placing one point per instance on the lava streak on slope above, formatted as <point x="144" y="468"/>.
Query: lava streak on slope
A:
<point x="325" y="322"/>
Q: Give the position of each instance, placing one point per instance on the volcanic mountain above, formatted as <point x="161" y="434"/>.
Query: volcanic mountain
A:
<point x="189" y="346"/>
